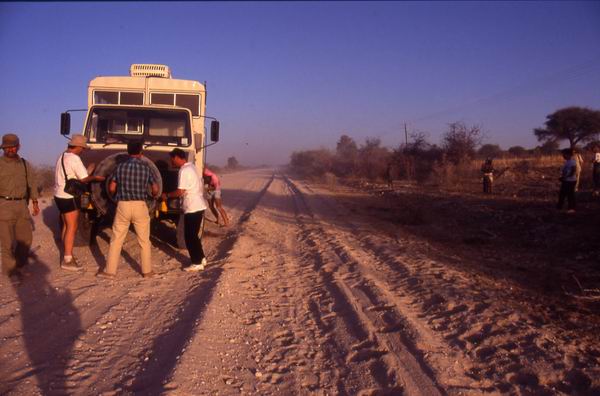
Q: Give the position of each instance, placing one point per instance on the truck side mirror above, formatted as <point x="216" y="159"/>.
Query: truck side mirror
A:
<point x="65" y="123"/>
<point x="214" y="131"/>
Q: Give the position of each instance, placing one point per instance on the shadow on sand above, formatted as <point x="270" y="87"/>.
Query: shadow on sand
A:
<point x="49" y="336"/>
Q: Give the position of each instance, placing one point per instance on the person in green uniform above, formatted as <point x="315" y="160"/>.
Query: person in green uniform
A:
<point x="18" y="186"/>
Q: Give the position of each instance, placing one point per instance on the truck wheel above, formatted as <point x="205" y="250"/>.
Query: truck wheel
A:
<point x="85" y="230"/>
<point x="104" y="202"/>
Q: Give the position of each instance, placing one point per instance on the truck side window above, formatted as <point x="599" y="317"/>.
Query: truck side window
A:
<point x="191" y="102"/>
<point x="132" y="98"/>
<point x="106" y="97"/>
<point x="161" y="98"/>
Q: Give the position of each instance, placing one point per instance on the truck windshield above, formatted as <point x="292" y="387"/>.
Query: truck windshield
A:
<point x="120" y="125"/>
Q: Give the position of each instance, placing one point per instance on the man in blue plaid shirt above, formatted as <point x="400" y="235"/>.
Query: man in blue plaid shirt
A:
<point x="130" y="184"/>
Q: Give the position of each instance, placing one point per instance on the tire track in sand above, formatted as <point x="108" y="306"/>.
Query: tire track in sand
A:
<point x="373" y="309"/>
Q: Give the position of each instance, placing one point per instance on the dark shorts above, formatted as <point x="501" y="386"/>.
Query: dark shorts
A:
<point x="65" y="205"/>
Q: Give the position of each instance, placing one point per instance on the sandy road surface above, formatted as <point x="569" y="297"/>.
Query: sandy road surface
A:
<point x="304" y="295"/>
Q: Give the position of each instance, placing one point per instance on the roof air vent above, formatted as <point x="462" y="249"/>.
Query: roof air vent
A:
<point x="148" y="70"/>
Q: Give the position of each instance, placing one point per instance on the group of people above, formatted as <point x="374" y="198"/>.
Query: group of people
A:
<point x="570" y="175"/>
<point x="130" y="184"/>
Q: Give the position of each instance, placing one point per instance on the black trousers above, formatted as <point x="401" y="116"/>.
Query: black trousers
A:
<point x="191" y="228"/>
<point x="567" y="190"/>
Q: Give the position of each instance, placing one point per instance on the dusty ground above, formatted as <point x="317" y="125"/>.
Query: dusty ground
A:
<point x="322" y="290"/>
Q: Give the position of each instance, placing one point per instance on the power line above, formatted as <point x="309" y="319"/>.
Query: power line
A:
<point x="565" y="75"/>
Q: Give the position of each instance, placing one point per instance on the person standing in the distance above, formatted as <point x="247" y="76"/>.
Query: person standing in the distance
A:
<point x="130" y="183"/>
<point x="596" y="171"/>
<point x="389" y="175"/>
<point x="70" y="164"/>
<point x="579" y="166"/>
<point x="568" y="179"/>
<point x="488" y="176"/>
<point x="17" y="187"/>
<point x="214" y="195"/>
<point x="191" y="188"/>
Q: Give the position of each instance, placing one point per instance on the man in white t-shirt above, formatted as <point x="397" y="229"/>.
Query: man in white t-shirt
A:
<point x="191" y="187"/>
<point x="70" y="164"/>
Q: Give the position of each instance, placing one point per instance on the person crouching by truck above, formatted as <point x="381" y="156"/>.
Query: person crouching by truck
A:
<point x="191" y="188"/>
<point x="488" y="176"/>
<point x="214" y="195"/>
<point x="69" y="164"/>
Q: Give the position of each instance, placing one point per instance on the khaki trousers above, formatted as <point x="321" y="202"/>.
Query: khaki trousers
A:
<point x="15" y="234"/>
<point x="136" y="213"/>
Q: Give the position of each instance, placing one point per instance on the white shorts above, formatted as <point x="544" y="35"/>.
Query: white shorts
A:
<point x="215" y="194"/>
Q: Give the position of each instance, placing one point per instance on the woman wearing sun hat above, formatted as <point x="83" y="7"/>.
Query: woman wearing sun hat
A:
<point x="70" y="164"/>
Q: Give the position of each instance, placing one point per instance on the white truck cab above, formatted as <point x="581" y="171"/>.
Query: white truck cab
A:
<point x="151" y="106"/>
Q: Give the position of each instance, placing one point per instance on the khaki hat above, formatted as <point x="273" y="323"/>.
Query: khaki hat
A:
<point x="78" y="141"/>
<point x="10" y="140"/>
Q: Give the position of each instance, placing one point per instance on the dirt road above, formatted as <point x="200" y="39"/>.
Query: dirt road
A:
<point x="303" y="295"/>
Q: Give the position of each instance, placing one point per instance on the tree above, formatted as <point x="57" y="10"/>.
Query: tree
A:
<point x="232" y="163"/>
<point x="575" y="124"/>
<point x="373" y="159"/>
<point x="418" y="143"/>
<point x="490" y="151"/>
<point x="517" y="151"/>
<point x="413" y="160"/>
<point x="346" y="147"/>
<point x="593" y="145"/>
<point x="311" y="162"/>
<point x="346" y="156"/>
<point x="460" y="141"/>
<point x="549" y="147"/>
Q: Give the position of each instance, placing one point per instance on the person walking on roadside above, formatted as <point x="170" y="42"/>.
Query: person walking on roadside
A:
<point x="130" y="184"/>
<point x="69" y="164"/>
<point x="596" y="171"/>
<point x="18" y="185"/>
<point x="214" y="195"/>
<point x="488" y="176"/>
<point x="191" y="188"/>
<point x="568" y="179"/>
<point x="579" y="166"/>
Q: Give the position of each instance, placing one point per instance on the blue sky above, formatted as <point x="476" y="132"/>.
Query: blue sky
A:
<point x="285" y="76"/>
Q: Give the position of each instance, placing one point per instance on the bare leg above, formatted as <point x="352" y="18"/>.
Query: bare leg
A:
<point x="69" y="230"/>
<point x="218" y="203"/>
<point x="63" y="224"/>
<point x="211" y="205"/>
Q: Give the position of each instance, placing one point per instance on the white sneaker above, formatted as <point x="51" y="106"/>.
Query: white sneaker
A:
<point x="194" y="268"/>
<point x="204" y="263"/>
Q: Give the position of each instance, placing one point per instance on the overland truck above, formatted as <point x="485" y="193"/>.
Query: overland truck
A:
<point x="151" y="106"/>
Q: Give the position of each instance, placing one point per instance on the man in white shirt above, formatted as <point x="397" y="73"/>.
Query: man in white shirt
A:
<point x="190" y="186"/>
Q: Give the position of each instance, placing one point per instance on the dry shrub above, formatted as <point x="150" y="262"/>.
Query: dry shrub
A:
<point x="330" y="179"/>
<point x="45" y="178"/>
<point x="454" y="176"/>
<point x="311" y="163"/>
<point x="522" y="167"/>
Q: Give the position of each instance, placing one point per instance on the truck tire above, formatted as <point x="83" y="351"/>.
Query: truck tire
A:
<point x="85" y="230"/>
<point x="104" y="202"/>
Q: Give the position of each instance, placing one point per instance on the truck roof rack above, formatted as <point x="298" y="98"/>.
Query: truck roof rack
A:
<point x="149" y="70"/>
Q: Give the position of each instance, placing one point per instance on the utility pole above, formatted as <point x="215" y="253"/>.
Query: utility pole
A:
<point x="405" y="136"/>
